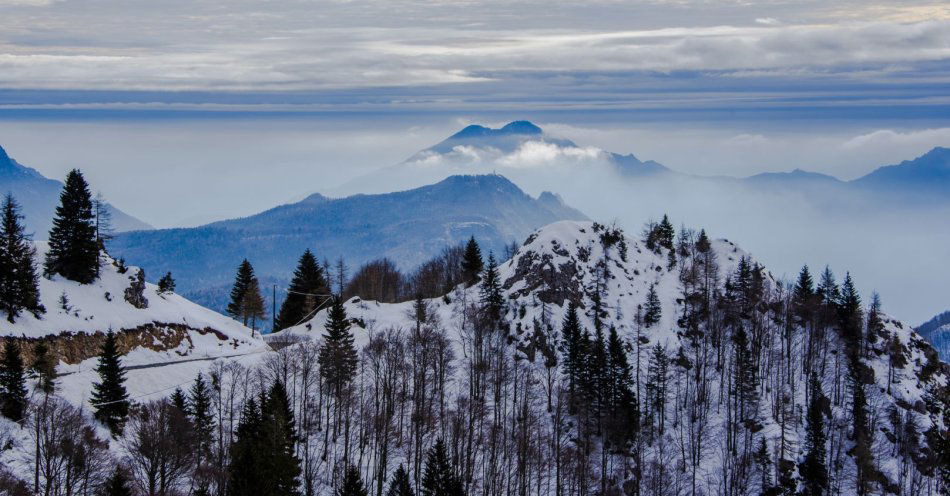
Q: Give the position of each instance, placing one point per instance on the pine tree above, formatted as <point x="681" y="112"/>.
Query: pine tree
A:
<point x="653" y="311"/>
<point x="12" y="382"/>
<point x="242" y="281"/>
<point x="306" y="286"/>
<point x="19" y="283"/>
<point x="44" y="368"/>
<point x="352" y="484"/>
<point x="472" y="264"/>
<point x="73" y="247"/>
<point x="338" y="358"/>
<point x="439" y="477"/>
<point x="118" y="484"/>
<point x="166" y="284"/>
<point x="400" y="485"/>
<point x="490" y="291"/>
<point x="813" y="469"/>
<point x="109" y="396"/>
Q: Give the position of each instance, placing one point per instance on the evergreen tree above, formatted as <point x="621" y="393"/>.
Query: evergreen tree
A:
<point x="118" y="484"/>
<point x="247" y="459"/>
<point x="282" y="467"/>
<point x="653" y="311"/>
<point x="665" y="233"/>
<point x="135" y="293"/>
<point x="253" y="304"/>
<point x="12" y="382"/>
<point x="400" y="485"/>
<point x="166" y="284"/>
<point x="44" y="368"/>
<point x="439" y="477"/>
<point x="73" y="247"/>
<point x="573" y="348"/>
<point x="828" y="290"/>
<point x="702" y="242"/>
<point x="472" y="264"/>
<point x="242" y="281"/>
<point x="490" y="291"/>
<point x="850" y="318"/>
<point x="179" y="400"/>
<point x="19" y="283"/>
<point x="352" y="484"/>
<point x="308" y="282"/>
<point x="109" y="396"/>
<point x="875" y="322"/>
<point x="622" y="415"/>
<point x="338" y="358"/>
<point x="746" y="379"/>
<point x="813" y="469"/>
<point x="198" y="409"/>
<point x="803" y="295"/>
<point x="764" y="463"/>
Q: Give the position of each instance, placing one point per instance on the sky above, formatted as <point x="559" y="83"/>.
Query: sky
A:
<point x="186" y="111"/>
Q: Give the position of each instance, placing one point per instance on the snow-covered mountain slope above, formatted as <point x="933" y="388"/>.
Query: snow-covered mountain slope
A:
<point x="937" y="331"/>
<point x="169" y="329"/>
<point x="905" y="382"/>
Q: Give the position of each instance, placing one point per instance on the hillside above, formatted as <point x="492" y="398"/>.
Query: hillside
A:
<point x="576" y="261"/>
<point x="409" y="227"/>
<point x="937" y="332"/>
<point x="38" y="196"/>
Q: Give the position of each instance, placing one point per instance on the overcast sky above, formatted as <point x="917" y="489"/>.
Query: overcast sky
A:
<point x="185" y="111"/>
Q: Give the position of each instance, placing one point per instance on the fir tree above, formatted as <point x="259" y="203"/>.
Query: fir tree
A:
<point x="622" y="415"/>
<point x="247" y="459"/>
<point x="439" y="477"/>
<point x="875" y="322"/>
<point x="472" y="264"/>
<point x="813" y="469"/>
<point x="665" y="233"/>
<point x="828" y="290"/>
<point x="702" y="242"/>
<point x="166" y="284"/>
<point x="803" y="295"/>
<point x="306" y="287"/>
<point x="252" y="306"/>
<point x="135" y="293"/>
<point x="338" y="358"/>
<point x="352" y="484"/>
<point x="850" y="318"/>
<point x="73" y="247"/>
<point x="490" y="291"/>
<point x="400" y="485"/>
<point x="12" y="382"/>
<point x="118" y="484"/>
<point x="653" y="311"/>
<point x="242" y="281"/>
<point x="19" y="283"/>
<point x="44" y="368"/>
<point x="109" y="396"/>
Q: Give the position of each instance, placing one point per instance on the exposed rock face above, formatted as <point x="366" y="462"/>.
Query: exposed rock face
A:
<point x="73" y="348"/>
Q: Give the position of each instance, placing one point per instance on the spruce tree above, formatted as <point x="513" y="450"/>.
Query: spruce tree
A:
<point x="44" y="368"/>
<point x="338" y="358"/>
<point x="281" y="467"/>
<point x="703" y="244"/>
<point x="247" y="456"/>
<point x="198" y="408"/>
<point x="490" y="291"/>
<point x="828" y="290"/>
<point x="803" y="295"/>
<point x="813" y="470"/>
<point x="400" y="485"/>
<point x="179" y="400"/>
<point x="623" y="411"/>
<point x="851" y="319"/>
<point x="653" y="311"/>
<point x="12" y="382"/>
<point x="352" y="484"/>
<point x="253" y="304"/>
<point x="19" y="283"/>
<point x="242" y="281"/>
<point x="573" y="348"/>
<point x="665" y="233"/>
<point x="73" y="248"/>
<point x="118" y="484"/>
<point x="166" y="284"/>
<point x="439" y="477"/>
<point x="307" y="283"/>
<point x="109" y="396"/>
<point x="472" y="264"/>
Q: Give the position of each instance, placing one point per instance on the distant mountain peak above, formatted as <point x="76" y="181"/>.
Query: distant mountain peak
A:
<point x="511" y="129"/>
